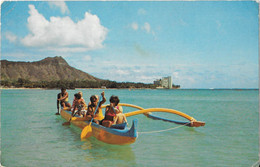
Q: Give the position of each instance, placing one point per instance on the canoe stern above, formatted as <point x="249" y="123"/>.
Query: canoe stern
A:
<point x="114" y="136"/>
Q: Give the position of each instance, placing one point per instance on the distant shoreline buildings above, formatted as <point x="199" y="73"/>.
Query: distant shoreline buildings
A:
<point x="165" y="83"/>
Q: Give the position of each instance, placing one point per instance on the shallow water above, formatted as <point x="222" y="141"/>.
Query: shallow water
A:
<point x="31" y="135"/>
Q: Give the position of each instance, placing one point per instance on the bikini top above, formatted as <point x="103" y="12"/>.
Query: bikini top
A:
<point x="110" y="116"/>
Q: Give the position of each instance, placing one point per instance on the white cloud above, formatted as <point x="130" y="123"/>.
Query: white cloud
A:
<point x="125" y="72"/>
<point x="175" y="75"/>
<point x="87" y="58"/>
<point x="137" y="70"/>
<point x="147" y="27"/>
<point x="122" y="72"/>
<point x="10" y="37"/>
<point x="63" y="34"/>
<point x="60" y="4"/>
<point x="134" y="26"/>
<point x="146" y="78"/>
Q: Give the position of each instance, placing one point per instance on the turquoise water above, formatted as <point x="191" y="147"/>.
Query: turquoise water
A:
<point x="31" y="135"/>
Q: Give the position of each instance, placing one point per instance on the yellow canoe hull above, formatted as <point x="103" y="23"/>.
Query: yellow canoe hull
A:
<point x="107" y="135"/>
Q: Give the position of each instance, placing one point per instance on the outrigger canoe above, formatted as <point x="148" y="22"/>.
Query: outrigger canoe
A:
<point x="120" y="134"/>
<point x="117" y="134"/>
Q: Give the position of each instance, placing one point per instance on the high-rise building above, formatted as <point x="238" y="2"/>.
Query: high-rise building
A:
<point x="165" y="82"/>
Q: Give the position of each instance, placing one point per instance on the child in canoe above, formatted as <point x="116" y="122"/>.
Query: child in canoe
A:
<point x="110" y="113"/>
<point x="93" y="106"/>
<point x="79" y="104"/>
<point x="120" y="117"/>
<point x="81" y="99"/>
<point x="63" y="100"/>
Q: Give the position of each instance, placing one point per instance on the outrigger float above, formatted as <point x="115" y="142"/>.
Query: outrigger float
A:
<point x="120" y="134"/>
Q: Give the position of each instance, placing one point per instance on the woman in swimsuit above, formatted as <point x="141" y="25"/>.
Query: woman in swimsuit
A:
<point x="110" y="111"/>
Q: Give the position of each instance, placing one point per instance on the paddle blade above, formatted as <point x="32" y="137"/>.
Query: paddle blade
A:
<point x="66" y="123"/>
<point x="86" y="132"/>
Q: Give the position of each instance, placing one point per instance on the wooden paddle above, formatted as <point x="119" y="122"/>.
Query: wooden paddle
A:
<point x="66" y="123"/>
<point x="87" y="131"/>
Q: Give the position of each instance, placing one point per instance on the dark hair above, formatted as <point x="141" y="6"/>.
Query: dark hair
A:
<point x="77" y="95"/>
<point x="114" y="99"/>
<point x="63" y="89"/>
<point x="92" y="98"/>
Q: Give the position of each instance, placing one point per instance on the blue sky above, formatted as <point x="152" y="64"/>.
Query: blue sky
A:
<point x="204" y="44"/>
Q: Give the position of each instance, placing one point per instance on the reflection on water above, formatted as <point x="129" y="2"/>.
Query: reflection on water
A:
<point x="101" y="153"/>
<point x="87" y="145"/>
<point x="97" y="153"/>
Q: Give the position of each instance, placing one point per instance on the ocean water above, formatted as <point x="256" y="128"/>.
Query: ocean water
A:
<point x="32" y="135"/>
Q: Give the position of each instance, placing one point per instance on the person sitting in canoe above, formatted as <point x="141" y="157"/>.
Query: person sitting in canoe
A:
<point x="110" y="113"/>
<point x="63" y="100"/>
<point x="79" y="104"/>
<point x="120" y="117"/>
<point x="81" y="99"/>
<point x="81" y="96"/>
<point x="94" y="101"/>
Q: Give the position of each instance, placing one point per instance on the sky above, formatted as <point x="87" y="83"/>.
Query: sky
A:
<point x="200" y="44"/>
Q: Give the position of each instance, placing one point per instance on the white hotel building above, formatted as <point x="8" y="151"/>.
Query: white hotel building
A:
<point x="165" y="82"/>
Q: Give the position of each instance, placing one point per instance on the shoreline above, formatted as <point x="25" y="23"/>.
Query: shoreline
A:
<point x="23" y="88"/>
<point x="1" y="88"/>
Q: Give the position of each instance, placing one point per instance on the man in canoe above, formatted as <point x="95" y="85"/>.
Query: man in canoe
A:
<point x="63" y="100"/>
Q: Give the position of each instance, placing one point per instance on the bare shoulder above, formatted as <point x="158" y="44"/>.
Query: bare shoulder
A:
<point x="120" y="108"/>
